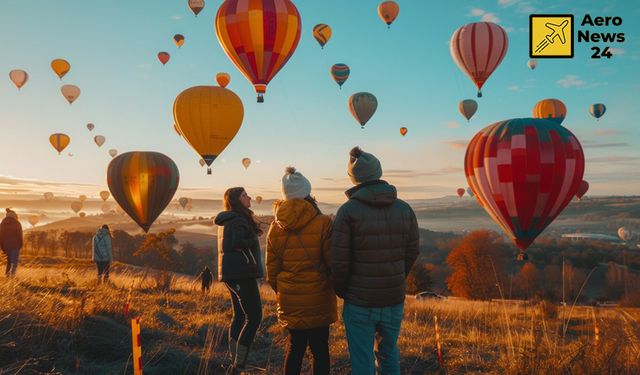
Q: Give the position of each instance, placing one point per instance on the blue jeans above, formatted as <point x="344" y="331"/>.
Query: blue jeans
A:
<point x="12" y="262"/>
<point x="362" y="324"/>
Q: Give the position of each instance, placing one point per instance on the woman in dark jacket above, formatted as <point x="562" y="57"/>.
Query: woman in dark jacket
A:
<point x="239" y="267"/>
<point x="11" y="240"/>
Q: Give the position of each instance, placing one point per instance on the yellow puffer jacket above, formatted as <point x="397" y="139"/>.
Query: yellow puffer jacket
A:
<point x="300" y="277"/>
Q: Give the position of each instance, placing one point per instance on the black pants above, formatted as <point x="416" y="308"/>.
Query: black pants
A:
<point x="318" y="340"/>
<point x="103" y="269"/>
<point x="247" y="310"/>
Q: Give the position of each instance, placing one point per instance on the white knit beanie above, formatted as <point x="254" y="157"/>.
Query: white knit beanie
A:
<point x="295" y="185"/>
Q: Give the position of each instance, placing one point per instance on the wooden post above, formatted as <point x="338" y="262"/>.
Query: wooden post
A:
<point x="438" y="344"/>
<point x="137" y="346"/>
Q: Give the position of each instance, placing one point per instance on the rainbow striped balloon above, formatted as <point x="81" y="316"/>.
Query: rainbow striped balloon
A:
<point x="340" y="73"/>
<point x="597" y="110"/>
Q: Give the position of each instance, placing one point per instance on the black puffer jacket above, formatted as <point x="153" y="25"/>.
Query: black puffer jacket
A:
<point x="238" y="248"/>
<point x="374" y="245"/>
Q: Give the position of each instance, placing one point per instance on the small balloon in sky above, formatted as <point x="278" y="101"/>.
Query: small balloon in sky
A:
<point x="163" y="57"/>
<point x="61" y="67"/>
<point x="19" y="77"/>
<point x="70" y="92"/>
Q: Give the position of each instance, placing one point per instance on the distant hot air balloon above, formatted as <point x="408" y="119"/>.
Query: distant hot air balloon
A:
<point x="625" y="234"/>
<point x="468" y="108"/>
<point x="59" y="141"/>
<point x="550" y="109"/>
<point x="163" y="57"/>
<point x="104" y="195"/>
<point x="260" y="56"/>
<point x="76" y="206"/>
<point x="196" y="6"/>
<point x="470" y="192"/>
<point x="99" y="140"/>
<point x="178" y="39"/>
<point x="362" y="106"/>
<point x="582" y="190"/>
<point x="388" y="11"/>
<point x="223" y="79"/>
<point x="106" y="208"/>
<point x="82" y="198"/>
<point x="183" y="201"/>
<point x="340" y="73"/>
<point x="60" y="67"/>
<point x="202" y="162"/>
<point x="403" y="131"/>
<point x="246" y="162"/>
<point x="48" y="196"/>
<point x="113" y="152"/>
<point x="70" y="154"/>
<point x="478" y="48"/>
<point x="208" y="117"/>
<point x="18" y="77"/>
<point x="524" y="172"/>
<point x="597" y="110"/>
<point x="90" y="126"/>
<point x="322" y="33"/>
<point x="70" y="92"/>
<point x="33" y="220"/>
<point x="142" y="183"/>
<point x="460" y="192"/>
<point x="532" y="64"/>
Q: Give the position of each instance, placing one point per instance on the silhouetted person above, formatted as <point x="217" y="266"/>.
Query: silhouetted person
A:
<point x="102" y="252"/>
<point x="11" y="240"/>
<point x="206" y="278"/>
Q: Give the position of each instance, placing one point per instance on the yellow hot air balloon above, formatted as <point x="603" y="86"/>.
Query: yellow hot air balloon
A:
<point x="59" y="141"/>
<point x="208" y="117"/>
<point x="70" y="92"/>
<point x="258" y="199"/>
<point x="33" y="220"/>
<point x="246" y="162"/>
<point x="82" y="214"/>
<point x="104" y="195"/>
<point x="76" y="206"/>
<point x="18" y="77"/>
<point x="60" y="67"/>
<point x="223" y="79"/>
<point x="550" y="109"/>
<point x="388" y="11"/>
<point x="322" y="33"/>
<point x="82" y="198"/>
<point x="99" y="140"/>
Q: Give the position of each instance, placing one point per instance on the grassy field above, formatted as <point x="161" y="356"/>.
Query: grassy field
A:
<point x="53" y="319"/>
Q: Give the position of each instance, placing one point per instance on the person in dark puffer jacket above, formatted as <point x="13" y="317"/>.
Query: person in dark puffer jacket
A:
<point x="11" y="241"/>
<point x="374" y="245"/>
<point x="239" y="267"/>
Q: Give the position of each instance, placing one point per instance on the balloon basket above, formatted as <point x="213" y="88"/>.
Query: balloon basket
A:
<point x="208" y="170"/>
<point x="260" y="98"/>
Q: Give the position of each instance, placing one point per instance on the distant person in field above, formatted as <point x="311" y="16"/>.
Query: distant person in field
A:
<point x="11" y="240"/>
<point x="206" y="278"/>
<point x="102" y="252"/>
<point x="298" y="260"/>
<point x="240" y="267"/>
<point x="375" y="242"/>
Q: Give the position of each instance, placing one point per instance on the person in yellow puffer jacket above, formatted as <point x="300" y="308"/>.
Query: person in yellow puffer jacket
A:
<point x="298" y="259"/>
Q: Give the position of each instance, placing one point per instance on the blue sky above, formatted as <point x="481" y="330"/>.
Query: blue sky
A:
<point x="128" y="94"/>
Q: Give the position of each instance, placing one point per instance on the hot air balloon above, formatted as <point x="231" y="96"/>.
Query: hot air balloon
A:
<point x="70" y="92"/>
<point x="223" y="79"/>
<point x="99" y="140"/>
<point x="551" y="109"/>
<point x="524" y="172"/>
<point x="362" y="106"/>
<point x="183" y="201"/>
<point x="82" y="198"/>
<point x="59" y="141"/>
<point x="322" y="33"/>
<point x="196" y="6"/>
<point x="460" y="192"/>
<point x="163" y="57"/>
<point x="76" y="206"/>
<point x="70" y="154"/>
<point x="208" y="117"/>
<point x="478" y="48"/>
<point x="113" y="152"/>
<point x="532" y="64"/>
<point x="202" y="162"/>
<point x="48" y="196"/>
<point x="104" y="195"/>
<point x="403" y="131"/>
<point x="624" y="234"/>
<point x="582" y="190"/>
<point x="143" y="184"/>
<point x="274" y="29"/>
<point x="597" y="110"/>
<point x="18" y="77"/>
<point x="388" y="11"/>
<point x="90" y="126"/>
<point x="246" y="162"/>
<point x="178" y="39"/>
<point x="340" y="73"/>
<point x="470" y="192"/>
<point x="106" y="208"/>
<point x="60" y="67"/>
<point x="468" y="108"/>
<point x="33" y="220"/>
<point x="82" y="214"/>
<point x="258" y="199"/>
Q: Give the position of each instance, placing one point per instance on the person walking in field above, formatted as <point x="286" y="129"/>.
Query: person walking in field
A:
<point x="102" y="252"/>
<point x="375" y="242"/>
<point x="206" y="278"/>
<point x="240" y="267"/>
<point x="11" y="240"/>
<point x="298" y="259"/>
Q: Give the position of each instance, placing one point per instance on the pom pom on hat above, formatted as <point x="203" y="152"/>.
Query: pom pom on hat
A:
<point x="294" y="184"/>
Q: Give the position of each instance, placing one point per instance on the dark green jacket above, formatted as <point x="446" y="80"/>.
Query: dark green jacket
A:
<point x="238" y="248"/>
<point x="374" y="245"/>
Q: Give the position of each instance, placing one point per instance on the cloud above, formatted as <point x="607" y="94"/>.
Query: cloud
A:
<point x="594" y="144"/>
<point x="453" y="124"/>
<point x="489" y="17"/>
<point x="407" y="173"/>
<point x="457" y="144"/>
<point x="617" y="50"/>
<point x="607" y="132"/>
<point x="177" y="17"/>
<point x="631" y="160"/>
<point x="514" y="88"/>
<point x="570" y="80"/>
<point x="506" y="3"/>
<point x="477" y="12"/>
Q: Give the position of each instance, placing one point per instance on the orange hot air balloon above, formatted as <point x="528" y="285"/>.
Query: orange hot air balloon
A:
<point x="59" y="141"/>
<point x="76" y="206"/>
<point x="178" y="39"/>
<point x="18" y="77"/>
<point x="322" y="33"/>
<point x="388" y="11"/>
<point x="208" y="117"/>
<point x="202" y="162"/>
<point x="460" y="192"/>
<point x="82" y="198"/>
<point x="260" y="38"/>
<point x="104" y="195"/>
<point x="223" y="79"/>
<point x="60" y="67"/>
<point x="582" y="190"/>
<point x="143" y="184"/>
<point x="403" y="131"/>
<point x="550" y="109"/>
<point x="196" y="6"/>
<point x="82" y="214"/>
<point x="258" y="199"/>
<point x="113" y="152"/>
<point x="246" y="162"/>
<point x="163" y="57"/>
<point x="362" y="106"/>
<point x="70" y="92"/>
<point x="33" y="220"/>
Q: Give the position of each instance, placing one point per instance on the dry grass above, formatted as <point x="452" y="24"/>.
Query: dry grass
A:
<point x="54" y="319"/>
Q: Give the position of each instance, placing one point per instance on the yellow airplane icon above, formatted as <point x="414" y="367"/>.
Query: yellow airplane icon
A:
<point x="556" y="31"/>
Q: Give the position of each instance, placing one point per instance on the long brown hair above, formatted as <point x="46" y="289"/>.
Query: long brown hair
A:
<point x="231" y="202"/>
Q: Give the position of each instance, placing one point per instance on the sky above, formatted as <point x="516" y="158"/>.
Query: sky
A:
<point x="305" y="122"/>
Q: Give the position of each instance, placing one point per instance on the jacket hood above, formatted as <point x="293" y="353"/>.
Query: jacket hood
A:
<point x="294" y="214"/>
<point x="374" y="193"/>
<point x="10" y="221"/>
<point x="102" y="232"/>
<point x="225" y="216"/>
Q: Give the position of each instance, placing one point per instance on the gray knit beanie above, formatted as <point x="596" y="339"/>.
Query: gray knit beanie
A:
<point x="363" y="166"/>
<point x="295" y="185"/>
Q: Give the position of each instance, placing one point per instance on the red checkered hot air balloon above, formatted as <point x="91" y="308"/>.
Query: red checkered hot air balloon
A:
<point x="259" y="36"/>
<point x="524" y="173"/>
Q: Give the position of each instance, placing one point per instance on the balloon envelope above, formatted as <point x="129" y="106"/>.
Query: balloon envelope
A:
<point x="33" y="220"/>
<point x="143" y="184"/>
<point x="104" y="195"/>
<point x="70" y="92"/>
<point x="196" y="6"/>
<point x="468" y="108"/>
<point x="258" y="199"/>
<point x="460" y="192"/>
<point x="388" y="11"/>
<point x="163" y="57"/>
<point x="582" y="190"/>
<point x="183" y="201"/>
<point x="90" y="126"/>
<point x="59" y="141"/>
<point x="82" y="198"/>
<point x="76" y="206"/>
<point x="18" y="77"/>
<point x="246" y="162"/>
<point x="403" y="131"/>
<point x="322" y="33"/>
<point x="597" y="110"/>
<point x="48" y="196"/>
<point x="60" y="67"/>
<point x="362" y="106"/>
<point x="551" y="109"/>
<point x="624" y="233"/>
<point x="113" y="152"/>
<point x="340" y="73"/>
<point x="99" y="140"/>
<point x="470" y="192"/>
<point x="178" y="39"/>
<point x="202" y="162"/>
<point x="223" y="79"/>
<point x="532" y="64"/>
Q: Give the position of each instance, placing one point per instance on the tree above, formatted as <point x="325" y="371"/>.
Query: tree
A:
<point x="157" y="251"/>
<point x="528" y="280"/>
<point x="419" y="279"/>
